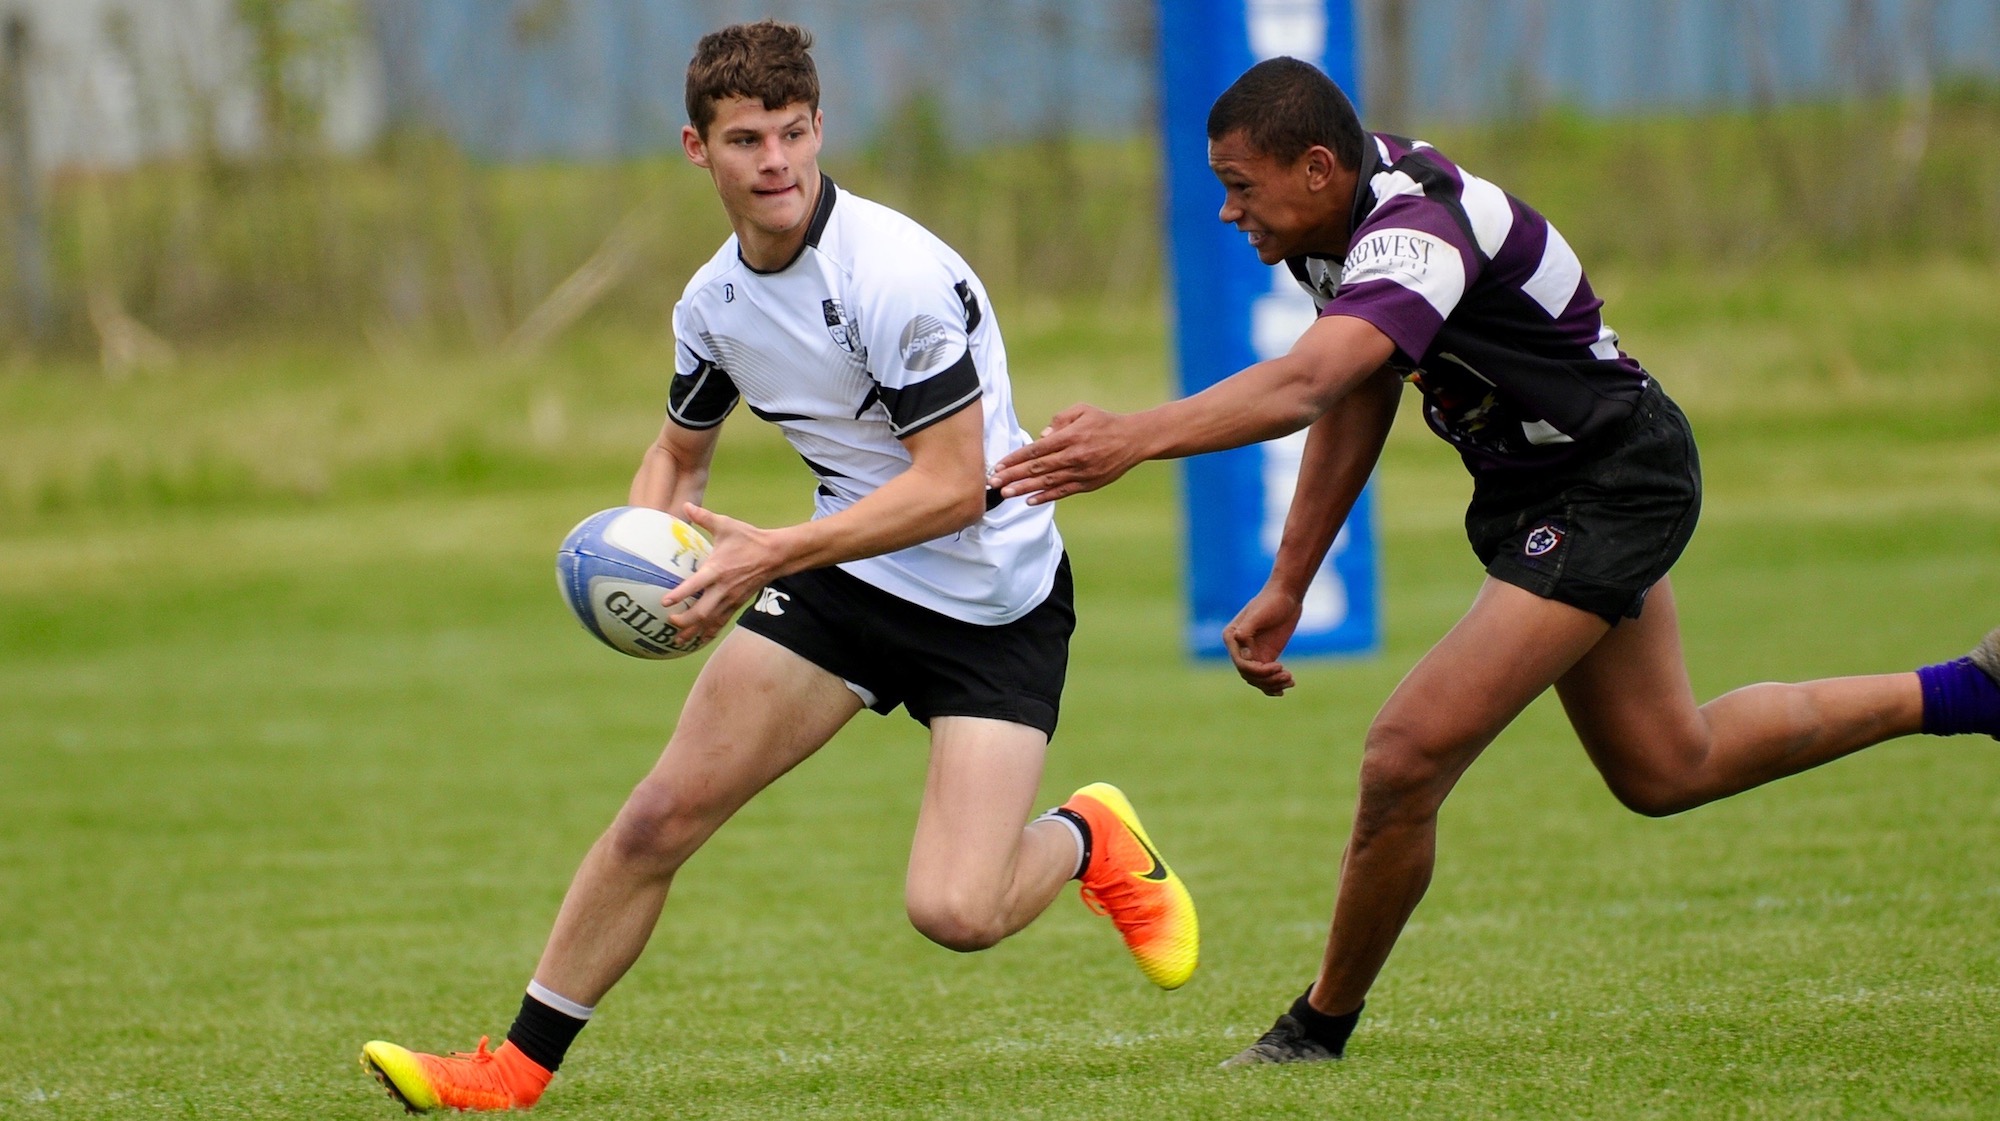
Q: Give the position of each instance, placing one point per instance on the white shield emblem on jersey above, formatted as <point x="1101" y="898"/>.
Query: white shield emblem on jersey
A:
<point x="837" y="324"/>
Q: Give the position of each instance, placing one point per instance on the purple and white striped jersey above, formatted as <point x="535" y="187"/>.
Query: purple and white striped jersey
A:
<point x="1489" y="309"/>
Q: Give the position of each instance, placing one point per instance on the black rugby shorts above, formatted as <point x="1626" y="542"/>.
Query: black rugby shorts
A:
<point x="1596" y="532"/>
<point x="930" y="663"/>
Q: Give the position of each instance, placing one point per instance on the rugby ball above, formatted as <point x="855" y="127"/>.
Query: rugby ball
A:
<point x="615" y="569"/>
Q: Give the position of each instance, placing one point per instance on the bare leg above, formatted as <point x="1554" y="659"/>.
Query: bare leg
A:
<point x="1631" y="704"/>
<point x="1510" y="647"/>
<point x="976" y="873"/>
<point x="1627" y="694"/>
<point x="756" y="711"/>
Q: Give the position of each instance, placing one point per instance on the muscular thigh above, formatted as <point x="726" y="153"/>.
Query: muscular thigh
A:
<point x="1505" y="652"/>
<point x="756" y="711"/>
<point x="981" y="787"/>
<point x="1629" y="698"/>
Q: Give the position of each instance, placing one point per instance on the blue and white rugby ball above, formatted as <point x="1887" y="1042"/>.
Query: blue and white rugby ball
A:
<point x="616" y="567"/>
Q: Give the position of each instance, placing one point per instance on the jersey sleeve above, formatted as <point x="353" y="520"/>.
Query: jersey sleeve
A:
<point x="1406" y="270"/>
<point x="702" y="393"/>
<point x="917" y="324"/>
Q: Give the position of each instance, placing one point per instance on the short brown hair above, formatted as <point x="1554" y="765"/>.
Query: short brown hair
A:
<point x="1283" y="107"/>
<point x="766" y="60"/>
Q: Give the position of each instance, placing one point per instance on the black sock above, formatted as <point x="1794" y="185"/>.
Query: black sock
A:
<point x="1082" y="830"/>
<point x="544" y="1034"/>
<point x="1330" y="1032"/>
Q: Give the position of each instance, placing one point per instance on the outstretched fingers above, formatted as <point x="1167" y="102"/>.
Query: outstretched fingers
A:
<point x="1083" y="449"/>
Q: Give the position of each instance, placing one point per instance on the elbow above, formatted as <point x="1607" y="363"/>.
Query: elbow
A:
<point x="960" y="505"/>
<point x="969" y="507"/>
<point x="1307" y="395"/>
<point x="1305" y="412"/>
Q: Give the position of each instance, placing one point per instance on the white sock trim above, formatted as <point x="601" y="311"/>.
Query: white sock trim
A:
<point x="1075" y="833"/>
<point x="559" y="1002"/>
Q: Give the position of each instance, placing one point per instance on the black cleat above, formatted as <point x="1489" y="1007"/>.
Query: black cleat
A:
<point x="1286" y="1042"/>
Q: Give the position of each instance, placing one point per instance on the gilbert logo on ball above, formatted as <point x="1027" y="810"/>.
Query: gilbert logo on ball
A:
<point x="615" y="569"/>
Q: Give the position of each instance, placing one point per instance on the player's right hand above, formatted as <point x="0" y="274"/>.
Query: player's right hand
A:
<point x="1258" y="635"/>
<point x="744" y="559"/>
<point x="1083" y="449"/>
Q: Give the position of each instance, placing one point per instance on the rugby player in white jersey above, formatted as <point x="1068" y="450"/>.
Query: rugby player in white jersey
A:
<point x="1585" y="490"/>
<point x="871" y="344"/>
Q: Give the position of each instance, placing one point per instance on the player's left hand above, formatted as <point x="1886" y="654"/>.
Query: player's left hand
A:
<point x="1083" y="448"/>
<point x="745" y="558"/>
<point x="1258" y="635"/>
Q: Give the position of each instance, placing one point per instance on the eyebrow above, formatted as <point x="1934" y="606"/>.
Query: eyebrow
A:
<point x="798" y="121"/>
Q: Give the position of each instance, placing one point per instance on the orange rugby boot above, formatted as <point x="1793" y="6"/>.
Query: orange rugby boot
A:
<point x="463" y="1080"/>
<point x="1128" y="882"/>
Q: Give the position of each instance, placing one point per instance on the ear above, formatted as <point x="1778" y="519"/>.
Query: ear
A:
<point x="1320" y="167"/>
<point x="693" y="147"/>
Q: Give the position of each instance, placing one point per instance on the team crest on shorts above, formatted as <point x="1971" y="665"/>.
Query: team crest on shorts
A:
<point x="837" y="324"/>
<point x="1542" y="540"/>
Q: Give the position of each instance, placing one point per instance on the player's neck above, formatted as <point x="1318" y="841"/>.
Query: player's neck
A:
<point x="767" y="250"/>
<point x="1336" y="229"/>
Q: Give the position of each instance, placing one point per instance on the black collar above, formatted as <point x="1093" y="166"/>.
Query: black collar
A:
<point x="1364" y="193"/>
<point x="822" y="214"/>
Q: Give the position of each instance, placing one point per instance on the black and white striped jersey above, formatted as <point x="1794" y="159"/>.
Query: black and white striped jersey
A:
<point x="874" y="332"/>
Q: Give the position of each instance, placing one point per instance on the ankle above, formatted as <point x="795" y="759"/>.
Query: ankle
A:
<point x="545" y="1027"/>
<point x="1329" y="1030"/>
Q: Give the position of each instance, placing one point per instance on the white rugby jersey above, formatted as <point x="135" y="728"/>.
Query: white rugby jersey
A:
<point x="875" y="331"/>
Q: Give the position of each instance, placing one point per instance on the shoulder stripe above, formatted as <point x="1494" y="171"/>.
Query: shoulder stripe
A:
<point x="1556" y="278"/>
<point x="1418" y="260"/>
<point x="1487" y="209"/>
<point x="703" y="397"/>
<point x="916" y="407"/>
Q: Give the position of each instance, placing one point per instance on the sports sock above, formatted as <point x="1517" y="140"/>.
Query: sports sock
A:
<point x="1080" y="829"/>
<point x="1959" y="697"/>
<point x="544" y="1031"/>
<point x="1330" y="1032"/>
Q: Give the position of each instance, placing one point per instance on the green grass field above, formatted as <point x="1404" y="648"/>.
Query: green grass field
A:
<point x="298" y="748"/>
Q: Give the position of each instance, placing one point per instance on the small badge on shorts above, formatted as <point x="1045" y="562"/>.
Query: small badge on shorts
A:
<point x="1542" y="540"/>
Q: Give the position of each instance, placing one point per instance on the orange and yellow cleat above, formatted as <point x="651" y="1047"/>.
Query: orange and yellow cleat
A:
<point x="463" y="1080"/>
<point x="1129" y="883"/>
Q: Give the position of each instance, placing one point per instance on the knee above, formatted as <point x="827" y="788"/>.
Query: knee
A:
<point x="657" y="830"/>
<point x="1404" y="779"/>
<point x="1656" y="777"/>
<point x="1652" y="796"/>
<point x="954" y="921"/>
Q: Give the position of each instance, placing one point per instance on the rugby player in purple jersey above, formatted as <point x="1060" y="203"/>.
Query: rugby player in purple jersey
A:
<point x="1586" y="488"/>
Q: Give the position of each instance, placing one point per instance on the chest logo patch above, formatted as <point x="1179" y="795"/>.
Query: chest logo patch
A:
<point x="838" y="325"/>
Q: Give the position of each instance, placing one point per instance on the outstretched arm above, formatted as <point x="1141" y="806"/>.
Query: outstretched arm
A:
<point x="941" y="492"/>
<point x="1341" y="449"/>
<point x="1086" y="448"/>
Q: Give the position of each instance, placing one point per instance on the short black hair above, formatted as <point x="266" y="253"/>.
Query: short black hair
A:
<point x="1283" y="107"/>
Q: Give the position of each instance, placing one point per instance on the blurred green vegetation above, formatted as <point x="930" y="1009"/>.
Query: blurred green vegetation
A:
<point x="416" y="244"/>
<point x="1877" y="347"/>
